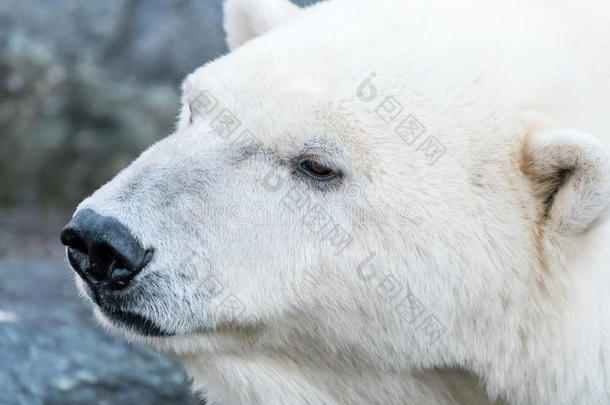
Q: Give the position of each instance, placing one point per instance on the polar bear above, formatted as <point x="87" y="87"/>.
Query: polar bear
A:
<point x="374" y="202"/>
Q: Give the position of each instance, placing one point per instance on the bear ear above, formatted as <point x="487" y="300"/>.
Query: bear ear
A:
<point x="571" y="174"/>
<point x="247" y="19"/>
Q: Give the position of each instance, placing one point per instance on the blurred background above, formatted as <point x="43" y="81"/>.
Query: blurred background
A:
<point x="85" y="86"/>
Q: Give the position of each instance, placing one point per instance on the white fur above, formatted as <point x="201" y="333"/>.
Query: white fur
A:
<point x="503" y="240"/>
<point x="246" y="19"/>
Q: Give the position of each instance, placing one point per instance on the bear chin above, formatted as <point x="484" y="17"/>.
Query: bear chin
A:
<point x="134" y="322"/>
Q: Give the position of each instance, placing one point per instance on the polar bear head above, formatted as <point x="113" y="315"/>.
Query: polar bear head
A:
<point x="346" y="199"/>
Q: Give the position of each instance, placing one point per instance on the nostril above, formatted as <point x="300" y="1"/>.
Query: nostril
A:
<point x="70" y="238"/>
<point x="104" y="260"/>
<point x="120" y="278"/>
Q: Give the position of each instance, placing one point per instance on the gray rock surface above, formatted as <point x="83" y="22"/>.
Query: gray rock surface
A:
<point x="85" y="86"/>
<point x="52" y="352"/>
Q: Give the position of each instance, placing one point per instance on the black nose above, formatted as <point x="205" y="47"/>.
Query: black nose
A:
<point x="103" y="251"/>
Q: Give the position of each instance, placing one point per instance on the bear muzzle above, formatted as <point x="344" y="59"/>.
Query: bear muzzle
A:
<point x="107" y="257"/>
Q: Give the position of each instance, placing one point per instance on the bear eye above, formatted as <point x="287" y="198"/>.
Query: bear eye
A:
<point x="317" y="170"/>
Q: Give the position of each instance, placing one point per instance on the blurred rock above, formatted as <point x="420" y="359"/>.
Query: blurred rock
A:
<point x="52" y="352"/>
<point x="86" y="86"/>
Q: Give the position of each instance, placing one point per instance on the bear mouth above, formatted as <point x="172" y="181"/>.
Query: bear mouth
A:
<point x="129" y="320"/>
<point x="134" y="322"/>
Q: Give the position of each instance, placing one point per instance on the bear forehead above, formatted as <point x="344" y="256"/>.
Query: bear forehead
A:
<point x="301" y="79"/>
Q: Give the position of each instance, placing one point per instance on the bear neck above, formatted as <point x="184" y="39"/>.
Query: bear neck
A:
<point x="277" y="380"/>
<point x="548" y="340"/>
